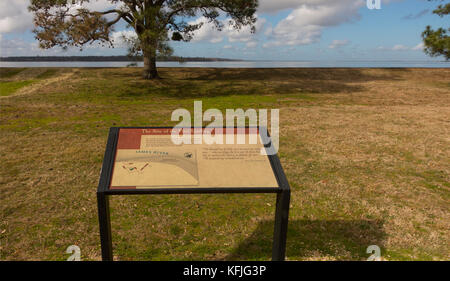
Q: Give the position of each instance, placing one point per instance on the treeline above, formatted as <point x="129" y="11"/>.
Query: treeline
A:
<point x="108" y="58"/>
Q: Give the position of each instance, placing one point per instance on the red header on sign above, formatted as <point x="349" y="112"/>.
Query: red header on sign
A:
<point x="131" y="138"/>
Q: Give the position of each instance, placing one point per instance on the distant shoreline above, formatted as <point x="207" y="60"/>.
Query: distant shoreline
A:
<point x="108" y="59"/>
<point x="124" y="61"/>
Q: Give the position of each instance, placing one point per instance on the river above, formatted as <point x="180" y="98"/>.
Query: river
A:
<point x="245" y="64"/>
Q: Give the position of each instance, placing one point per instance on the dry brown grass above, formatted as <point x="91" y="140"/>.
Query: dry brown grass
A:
<point x="365" y="151"/>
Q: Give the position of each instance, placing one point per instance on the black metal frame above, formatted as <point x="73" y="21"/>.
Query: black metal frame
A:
<point x="103" y="192"/>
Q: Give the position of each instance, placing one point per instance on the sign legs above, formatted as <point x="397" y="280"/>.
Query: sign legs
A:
<point x="279" y="234"/>
<point x="105" y="226"/>
<point x="281" y="224"/>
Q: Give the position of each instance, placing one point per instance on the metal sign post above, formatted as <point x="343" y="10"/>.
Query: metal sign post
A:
<point x="131" y="138"/>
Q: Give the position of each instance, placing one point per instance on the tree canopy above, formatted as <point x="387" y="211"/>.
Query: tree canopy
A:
<point x="437" y="42"/>
<point x="70" y="23"/>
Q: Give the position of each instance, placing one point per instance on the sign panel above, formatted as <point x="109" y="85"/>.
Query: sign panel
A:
<point x="148" y="158"/>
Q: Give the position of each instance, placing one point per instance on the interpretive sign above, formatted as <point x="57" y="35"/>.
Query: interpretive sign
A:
<point x="148" y="158"/>
<point x="191" y="160"/>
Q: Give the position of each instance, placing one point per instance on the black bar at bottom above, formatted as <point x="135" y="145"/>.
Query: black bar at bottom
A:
<point x="105" y="226"/>
<point x="281" y="224"/>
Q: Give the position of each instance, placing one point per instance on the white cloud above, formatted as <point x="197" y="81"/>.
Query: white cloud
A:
<point x="251" y="44"/>
<point x="17" y="47"/>
<point x="418" y="47"/>
<point x="305" y="23"/>
<point x="207" y="32"/>
<point x="244" y="34"/>
<point x="271" y="6"/>
<point x="118" y="38"/>
<point x="338" y="43"/>
<point x="14" y="16"/>
<point x="210" y="34"/>
<point x="400" y="47"/>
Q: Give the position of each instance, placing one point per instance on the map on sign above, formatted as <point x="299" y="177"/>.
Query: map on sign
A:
<point x="147" y="158"/>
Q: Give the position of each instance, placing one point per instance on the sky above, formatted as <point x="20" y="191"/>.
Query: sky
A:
<point x="285" y="30"/>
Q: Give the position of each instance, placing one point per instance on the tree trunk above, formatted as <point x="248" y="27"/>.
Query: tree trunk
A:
<point x="150" y="71"/>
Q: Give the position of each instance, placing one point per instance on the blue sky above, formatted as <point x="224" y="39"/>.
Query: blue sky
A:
<point x="286" y="30"/>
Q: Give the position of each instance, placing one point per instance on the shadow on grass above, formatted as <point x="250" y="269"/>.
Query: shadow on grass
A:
<point x="207" y="82"/>
<point x="321" y="74"/>
<point x="340" y="239"/>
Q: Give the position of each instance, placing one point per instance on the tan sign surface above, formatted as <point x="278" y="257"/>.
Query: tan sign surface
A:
<point x="147" y="158"/>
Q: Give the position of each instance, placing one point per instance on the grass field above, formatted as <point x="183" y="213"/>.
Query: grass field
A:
<point x="366" y="152"/>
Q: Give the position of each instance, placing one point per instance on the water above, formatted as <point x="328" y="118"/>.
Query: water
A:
<point x="242" y="64"/>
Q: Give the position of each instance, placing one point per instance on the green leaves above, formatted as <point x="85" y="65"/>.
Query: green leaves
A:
<point x="437" y="42"/>
<point x="442" y="10"/>
<point x="67" y="23"/>
<point x="61" y="23"/>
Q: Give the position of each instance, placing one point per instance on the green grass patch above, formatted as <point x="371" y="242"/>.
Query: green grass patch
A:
<point x="10" y="87"/>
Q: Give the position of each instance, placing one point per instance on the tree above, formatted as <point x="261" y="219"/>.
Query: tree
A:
<point x="69" y="23"/>
<point x="437" y="42"/>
